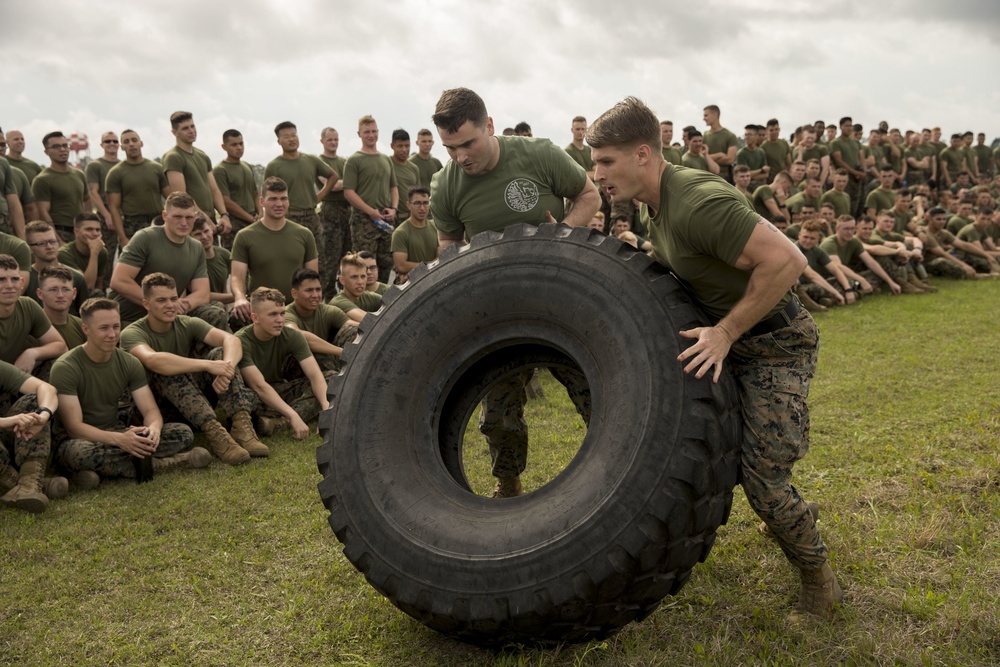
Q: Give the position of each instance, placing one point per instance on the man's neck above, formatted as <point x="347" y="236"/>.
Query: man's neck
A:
<point x="578" y="144"/>
<point x="398" y="161"/>
<point x="135" y="160"/>
<point x="424" y="156"/>
<point x="231" y="160"/>
<point x="351" y="297"/>
<point x="302" y="310"/>
<point x="274" y="224"/>
<point x="650" y="194"/>
<point x="260" y="334"/>
<point x="329" y="154"/>
<point x="372" y="150"/>
<point x="95" y="354"/>
<point x="159" y="326"/>
<point x="6" y="311"/>
<point x="290" y="155"/>
<point x="715" y="127"/>
<point x="742" y="189"/>
<point x="185" y="146"/>
<point x="414" y="222"/>
<point x="174" y="238"/>
<point x="61" y="167"/>
<point x="81" y="246"/>
<point x="40" y="264"/>
<point x="58" y="317"/>
<point x="12" y="155"/>
<point x="111" y="157"/>
<point x="209" y="252"/>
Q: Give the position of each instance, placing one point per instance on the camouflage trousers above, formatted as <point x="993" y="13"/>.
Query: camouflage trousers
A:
<point x="296" y="391"/>
<point x="76" y="454"/>
<point x="856" y="190"/>
<point x="975" y="261"/>
<point x="939" y="266"/>
<point x="226" y="240"/>
<point x="366" y="236"/>
<point x="501" y="418"/>
<point x="898" y="272"/>
<point x="19" y="450"/>
<point x="773" y="372"/>
<point x="190" y="397"/>
<point x="65" y="234"/>
<point x="336" y="221"/>
<point x="328" y="362"/>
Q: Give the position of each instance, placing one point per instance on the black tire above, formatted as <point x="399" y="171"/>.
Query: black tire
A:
<point x="617" y="530"/>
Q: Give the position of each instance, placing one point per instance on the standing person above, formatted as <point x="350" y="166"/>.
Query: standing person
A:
<point x="697" y="156"/>
<point x="426" y="164"/>
<point x="779" y="153"/>
<point x="93" y="441"/>
<point x="721" y="143"/>
<point x="528" y="180"/>
<point x="845" y="153"/>
<point x="60" y="190"/>
<point x="753" y="157"/>
<point x="579" y="151"/>
<point x="189" y="170"/>
<point x="370" y="187"/>
<point x="45" y="254"/>
<point x="740" y="268"/>
<point x="407" y="174"/>
<point x="97" y="175"/>
<point x="22" y="191"/>
<point x="670" y="153"/>
<point x="415" y="241"/>
<point x="11" y="211"/>
<point x="236" y="184"/>
<point x="335" y="211"/>
<point x="31" y="169"/>
<point x="136" y="188"/>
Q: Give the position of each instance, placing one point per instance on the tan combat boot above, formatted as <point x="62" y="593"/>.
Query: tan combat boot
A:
<point x="818" y="595"/>
<point x="55" y="487"/>
<point x="765" y="530"/>
<point x="808" y="303"/>
<point x="927" y="287"/>
<point x="27" y="495"/>
<point x="269" y="425"/>
<point x="919" y="286"/>
<point x="196" y="457"/>
<point x="244" y="434"/>
<point x="508" y="487"/>
<point x="223" y="445"/>
<point x="86" y="480"/>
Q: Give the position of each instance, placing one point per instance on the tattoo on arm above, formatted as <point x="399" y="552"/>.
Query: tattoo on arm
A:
<point x="762" y="221"/>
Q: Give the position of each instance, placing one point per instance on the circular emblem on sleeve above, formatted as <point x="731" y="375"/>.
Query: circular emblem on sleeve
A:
<point x="521" y="195"/>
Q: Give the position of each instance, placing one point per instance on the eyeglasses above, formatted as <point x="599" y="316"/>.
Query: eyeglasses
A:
<point x="110" y="141"/>
<point x="3" y="144"/>
<point x="57" y="146"/>
<point x="40" y="244"/>
<point x="58" y="290"/>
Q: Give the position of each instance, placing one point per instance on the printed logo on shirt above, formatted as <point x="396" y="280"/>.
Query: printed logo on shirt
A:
<point x="521" y="195"/>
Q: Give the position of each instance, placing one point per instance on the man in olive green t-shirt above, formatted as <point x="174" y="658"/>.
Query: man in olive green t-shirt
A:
<point x="45" y="254"/>
<point x="87" y="253"/>
<point x="355" y="300"/>
<point x="326" y="328"/>
<point x="579" y="151"/>
<point x="697" y="156"/>
<point x="15" y="143"/>
<point x="268" y="252"/>
<point x="845" y="248"/>
<point x="27" y="338"/>
<point x="779" y="153"/>
<point x="427" y="165"/>
<point x="721" y="144"/>
<point x="60" y="190"/>
<point x="838" y="196"/>
<point x="335" y="211"/>
<point x="845" y="153"/>
<point x="189" y="170"/>
<point x="415" y="241"/>
<point x="407" y="174"/>
<point x="670" y="153"/>
<point x="11" y="210"/>
<point x="57" y="294"/>
<point x="236" y="184"/>
<point x="740" y="268"/>
<point x="278" y="365"/>
<point x="370" y="186"/>
<point x="97" y="175"/>
<point x="883" y="197"/>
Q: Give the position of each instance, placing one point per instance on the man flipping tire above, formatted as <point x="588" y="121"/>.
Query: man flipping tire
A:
<point x="740" y="268"/>
<point x="526" y="180"/>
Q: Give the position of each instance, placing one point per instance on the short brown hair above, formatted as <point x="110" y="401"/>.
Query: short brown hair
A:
<point x="178" y="117"/>
<point x="811" y="226"/>
<point x="37" y="227"/>
<point x="579" y="119"/>
<point x="55" y="273"/>
<point x="352" y="259"/>
<point x="424" y="132"/>
<point x="274" y="184"/>
<point x="262" y="294"/>
<point x="8" y="263"/>
<point x="94" y="304"/>
<point x="456" y="106"/>
<point x="157" y="279"/>
<point x="628" y="123"/>
<point x="85" y="217"/>
<point x="367" y="119"/>
<point x="179" y="200"/>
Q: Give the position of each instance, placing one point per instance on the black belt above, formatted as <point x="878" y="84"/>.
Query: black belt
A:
<point x="779" y="320"/>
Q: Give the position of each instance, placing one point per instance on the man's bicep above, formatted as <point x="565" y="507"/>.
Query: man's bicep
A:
<point x="767" y="245"/>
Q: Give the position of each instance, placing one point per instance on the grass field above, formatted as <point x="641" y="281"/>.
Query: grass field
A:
<point x="237" y="566"/>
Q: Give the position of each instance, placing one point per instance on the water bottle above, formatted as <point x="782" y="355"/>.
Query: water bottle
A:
<point x="384" y="226"/>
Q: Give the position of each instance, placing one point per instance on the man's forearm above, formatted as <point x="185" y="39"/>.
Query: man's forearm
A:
<point x="585" y="205"/>
<point x="768" y="284"/>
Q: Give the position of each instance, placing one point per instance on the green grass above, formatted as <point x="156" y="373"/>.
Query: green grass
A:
<point x="237" y="566"/>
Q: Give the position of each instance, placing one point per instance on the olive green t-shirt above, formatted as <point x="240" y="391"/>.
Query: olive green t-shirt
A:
<point x="777" y="151"/>
<point x="12" y="378"/>
<point x="672" y="154"/>
<point x="236" y="181"/>
<point x="970" y="159"/>
<point x="79" y="282"/>
<point x="971" y="234"/>
<point x="817" y="152"/>
<point x="699" y="232"/>
<point x="901" y="220"/>
<point x="28" y="319"/>
<point x="426" y="168"/>
<point x="150" y="251"/>
<point x="16" y="248"/>
<point x="795" y="203"/>
<point x="22" y="187"/>
<point x="272" y="256"/>
<point x="195" y="167"/>
<point x="72" y="332"/>
<point x="419" y="243"/>
<point x="582" y="156"/>
<point x="324" y="322"/>
<point x="302" y="176"/>
<point x="531" y="178"/>
<point x="218" y="268"/>
<point x="817" y="259"/>
<point x="140" y="185"/>
<point x="72" y="257"/>
<point x="65" y="192"/>
<point x="880" y="200"/>
<point x="269" y="356"/>
<point x="98" y="386"/>
<point x="372" y="177"/>
<point x="97" y="172"/>
<point x="917" y="154"/>
<point x="721" y="142"/>
<point x="841" y="201"/>
<point x="849" y="149"/>
<point x="185" y="332"/>
<point x="953" y="160"/>
<point x="407" y="176"/>
<point x="30" y="168"/>
<point x="849" y="253"/>
<point x="753" y="158"/>
<point x="957" y="223"/>
<point x="761" y="195"/>
<point x="368" y="302"/>
<point x="337" y="164"/>
<point x="695" y="162"/>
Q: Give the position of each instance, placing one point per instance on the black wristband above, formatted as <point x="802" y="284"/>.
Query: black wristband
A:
<point x="849" y="289"/>
<point x="43" y="409"/>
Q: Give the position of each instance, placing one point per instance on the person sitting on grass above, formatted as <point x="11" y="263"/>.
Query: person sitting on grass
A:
<point x="813" y="290"/>
<point x="891" y="258"/>
<point x="355" y="300"/>
<point x="326" y="328"/>
<point x="57" y="294"/>
<point x="185" y="383"/>
<point x="939" y="248"/>
<point x="278" y="365"/>
<point x="845" y="249"/>
<point x="93" y="440"/>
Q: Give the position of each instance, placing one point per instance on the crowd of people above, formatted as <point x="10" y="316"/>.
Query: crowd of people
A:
<point x="143" y="300"/>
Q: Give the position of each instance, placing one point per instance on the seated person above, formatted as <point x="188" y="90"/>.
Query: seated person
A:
<point x="597" y="222"/>
<point x="44" y="246"/>
<point x="939" y="248"/>
<point x="218" y="261"/>
<point x="814" y="290"/>
<point x="186" y="384"/>
<point x="961" y="219"/>
<point x="27" y="338"/>
<point x="355" y="300"/>
<point x="372" y="283"/>
<point x="87" y="253"/>
<point x="57" y="294"/>
<point x="326" y="328"/>
<point x="891" y="258"/>
<point x="845" y="249"/>
<point x="624" y="224"/>
<point x="92" y="438"/>
<point x="977" y="247"/>
<point x="279" y="367"/>
<point x="19" y="250"/>
<point x="415" y="241"/>
<point x="769" y="200"/>
<point x="25" y="432"/>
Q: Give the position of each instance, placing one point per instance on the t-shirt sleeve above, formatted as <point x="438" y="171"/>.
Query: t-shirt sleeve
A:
<point x="322" y="168"/>
<point x="335" y="316"/>
<point x="240" y="249"/>
<point x="162" y="175"/>
<point x="350" y="175"/>
<point x="399" y="237"/>
<point x="136" y="373"/>
<point x="94" y="172"/>
<point x="22" y="254"/>
<point x="392" y="172"/>
<point x="725" y="238"/>
<point x="113" y="183"/>
<point x="311" y="250"/>
<point x="441" y="206"/>
<point x="65" y="377"/>
<point x="136" y="251"/>
<point x="39" y="322"/>
<point x="172" y="161"/>
<point x="11" y="378"/>
<point x="41" y="188"/>
<point x="568" y="177"/>
<point x="297" y="345"/>
<point x="822" y="258"/>
<point x="222" y="180"/>
<point x="9" y="187"/>
<point x="198" y="328"/>
<point x="247" y="358"/>
<point x="132" y="336"/>
<point x="206" y="162"/>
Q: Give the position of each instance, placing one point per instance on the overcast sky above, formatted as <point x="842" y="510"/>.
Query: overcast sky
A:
<point x="95" y="66"/>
